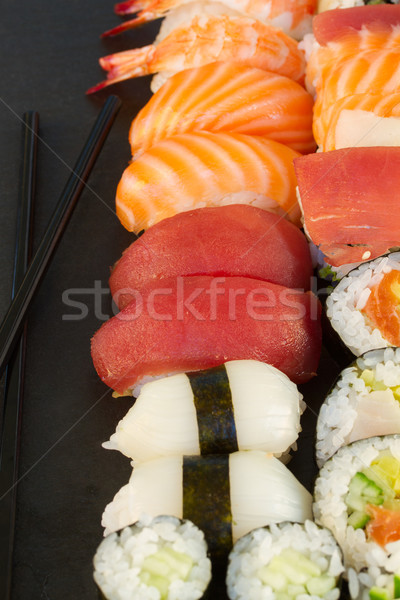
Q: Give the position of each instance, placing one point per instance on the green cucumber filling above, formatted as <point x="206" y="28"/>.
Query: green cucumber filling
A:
<point x="375" y="385"/>
<point x="379" y="484"/>
<point x="291" y="573"/>
<point x="159" y="570"/>
<point x="391" y="592"/>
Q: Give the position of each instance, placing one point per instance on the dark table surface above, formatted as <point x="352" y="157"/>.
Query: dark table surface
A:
<point x="48" y="59"/>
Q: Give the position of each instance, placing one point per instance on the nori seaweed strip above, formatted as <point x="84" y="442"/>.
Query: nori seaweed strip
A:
<point x="207" y="501"/>
<point x="215" y="416"/>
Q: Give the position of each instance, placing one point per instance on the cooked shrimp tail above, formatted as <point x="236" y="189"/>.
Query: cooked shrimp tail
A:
<point x="124" y="65"/>
<point x="211" y="38"/>
<point x="127" y="7"/>
<point x="131" y="24"/>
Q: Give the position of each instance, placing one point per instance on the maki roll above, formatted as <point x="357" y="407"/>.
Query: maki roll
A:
<point x="364" y="402"/>
<point x="357" y="497"/>
<point x="387" y="587"/>
<point x="362" y="308"/>
<point x="225" y="495"/>
<point x="285" y="561"/>
<point x="243" y="404"/>
<point x="156" y="559"/>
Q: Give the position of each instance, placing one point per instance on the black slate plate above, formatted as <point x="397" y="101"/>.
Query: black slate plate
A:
<point x="48" y="59"/>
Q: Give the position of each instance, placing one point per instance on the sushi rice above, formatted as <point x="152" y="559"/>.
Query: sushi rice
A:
<point x="345" y="303"/>
<point x="361" y="404"/>
<point x="126" y="560"/>
<point x="367" y="563"/>
<point x="252" y="575"/>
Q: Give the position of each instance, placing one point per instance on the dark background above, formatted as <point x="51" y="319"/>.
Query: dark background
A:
<point x="48" y="58"/>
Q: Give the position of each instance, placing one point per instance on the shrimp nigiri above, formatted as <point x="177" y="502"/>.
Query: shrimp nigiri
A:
<point x="359" y="119"/>
<point x="211" y="98"/>
<point x="206" y="39"/>
<point x="199" y="169"/>
<point x="292" y="16"/>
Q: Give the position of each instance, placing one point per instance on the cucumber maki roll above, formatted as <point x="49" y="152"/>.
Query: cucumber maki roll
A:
<point x="365" y="402"/>
<point x="285" y="561"/>
<point x="226" y="496"/>
<point x="357" y="497"/>
<point x="362" y="308"/>
<point x="243" y="404"/>
<point x="154" y="559"/>
<point x="387" y="587"/>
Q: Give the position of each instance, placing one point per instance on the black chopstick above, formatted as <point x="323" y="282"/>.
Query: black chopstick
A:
<point x="13" y="321"/>
<point x="13" y="393"/>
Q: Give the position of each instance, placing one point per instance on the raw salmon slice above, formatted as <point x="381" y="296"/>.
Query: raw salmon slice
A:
<point x="382" y="307"/>
<point x="193" y="170"/>
<point x="228" y="97"/>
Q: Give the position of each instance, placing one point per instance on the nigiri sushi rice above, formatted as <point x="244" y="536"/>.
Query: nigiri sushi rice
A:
<point x="154" y="559"/>
<point x="249" y="404"/>
<point x="347" y="303"/>
<point x="297" y="560"/>
<point x="356" y="496"/>
<point x="364" y="402"/>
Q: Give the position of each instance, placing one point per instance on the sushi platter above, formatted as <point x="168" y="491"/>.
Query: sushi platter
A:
<point x="71" y="491"/>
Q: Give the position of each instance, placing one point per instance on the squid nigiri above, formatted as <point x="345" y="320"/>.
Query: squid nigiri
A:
<point x="198" y="322"/>
<point x="222" y="241"/>
<point x="206" y="39"/>
<point x="211" y="98"/>
<point x="224" y="495"/>
<point x="292" y="16"/>
<point x="243" y="404"/>
<point x="199" y="169"/>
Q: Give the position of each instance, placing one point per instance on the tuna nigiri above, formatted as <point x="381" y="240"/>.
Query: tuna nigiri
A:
<point x="198" y="322"/>
<point x="223" y="241"/>
<point x="292" y="16"/>
<point x="199" y="169"/>
<point x="211" y="98"/>
<point x="210" y="38"/>
<point x="350" y="202"/>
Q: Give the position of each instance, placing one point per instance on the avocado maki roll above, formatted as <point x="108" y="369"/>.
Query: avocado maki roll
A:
<point x="364" y="402"/>
<point x="285" y="561"/>
<point x="357" y="497"/>
<point x="243" y="404"/>
<point x="164" y="558"/>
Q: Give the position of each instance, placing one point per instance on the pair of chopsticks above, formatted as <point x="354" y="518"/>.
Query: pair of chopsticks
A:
<point x="27" y="277"/>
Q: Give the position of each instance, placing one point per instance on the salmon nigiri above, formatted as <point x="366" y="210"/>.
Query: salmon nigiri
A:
<point x="292" y="16"/>
<point x="211" y="98"/>
<point x="359" y="120"/>
<point x="205" y="39"/>
<point x="344" y="33"/>
<point x="199" y="169"/>
<point x="359" y="74"/>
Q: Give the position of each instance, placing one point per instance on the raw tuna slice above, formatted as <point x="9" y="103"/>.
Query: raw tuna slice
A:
<point x="191" y="323"/>
<point x="333" y="24"/>
<point x="350" y="200"/>
<point x="222" y="241"/>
